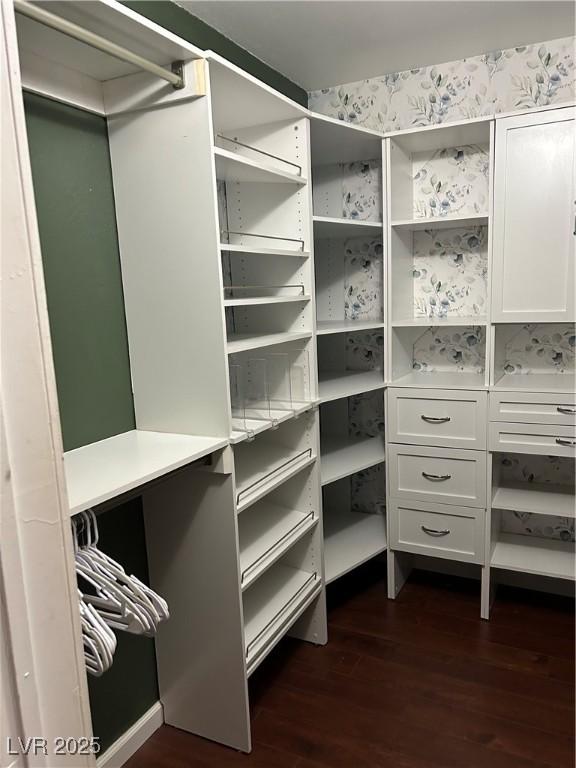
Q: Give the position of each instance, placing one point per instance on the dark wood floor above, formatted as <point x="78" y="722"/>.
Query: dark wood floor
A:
<point x="421" y="682"/>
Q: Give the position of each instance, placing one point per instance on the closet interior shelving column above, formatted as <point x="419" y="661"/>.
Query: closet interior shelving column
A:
<point x="350" y="320"/>
<point x="438" y="224"/>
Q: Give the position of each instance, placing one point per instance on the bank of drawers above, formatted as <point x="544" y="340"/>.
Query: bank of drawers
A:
<point x="436" y="461"/>
<point x="537" y="423"/>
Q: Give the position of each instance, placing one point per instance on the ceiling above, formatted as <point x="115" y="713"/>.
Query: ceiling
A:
<point x="319" y="43"/>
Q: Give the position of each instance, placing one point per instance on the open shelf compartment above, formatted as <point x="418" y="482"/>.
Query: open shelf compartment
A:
<point x="267" y="461"/>
<point x="440" y="173"/>
<point x="275" y="601"/>
<point x="351" y="435"/>
<point x="533" y="514"/>
<point x="354" y="523"/>
<point x="350" y="363"/>
<point x="537" y="357"/>
<point x="439" y="276"/>
<point x="444" y="356"/>
<point x="269" y="386"/>
<point x="274" y="524"/>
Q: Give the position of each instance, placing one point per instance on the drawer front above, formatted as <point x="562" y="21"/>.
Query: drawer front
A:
<point x="532" y="438"/>
<point x="437" y="475"/>
<point x="450" y="418"/>
<point x="455" y="533"/>
<point x="531" y="408"/>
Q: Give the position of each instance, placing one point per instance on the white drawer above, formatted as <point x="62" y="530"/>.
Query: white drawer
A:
<point x="437" y="474"/>
<point x="451" y="418"/>
<point x="455" y="533"/>
<point x="533" y="408"/>
<point x="532" y="438"/>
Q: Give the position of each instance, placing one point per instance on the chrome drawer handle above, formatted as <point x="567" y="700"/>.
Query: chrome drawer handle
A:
<point x="563" y="409"/>
<point x="435" y="419"/>
<point x="561" y="441"/>
<point x="436" y="478"/>
<point x="434" y="532"/>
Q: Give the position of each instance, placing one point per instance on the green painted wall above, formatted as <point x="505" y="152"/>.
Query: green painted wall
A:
<point x="77" y="222"/>
<point x="184" y="24"/>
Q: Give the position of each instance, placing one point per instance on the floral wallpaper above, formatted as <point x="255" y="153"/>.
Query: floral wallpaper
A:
<point x="499" y="81"/>
<point x="543" y="526"/>
<point x="362" y="190"/>
<point x="543" y="348"/>
<point x="349" y="190"/>
<point x="450" y="272"/>
<point x="451" y="182"/>
<point x="525" y="468"/>
<point x="444" y="349"/>
<point x="365" y="350"/>
<point x="368" y="490"/>
<point x="363" y="279"/>
<point x="366" y="414"/>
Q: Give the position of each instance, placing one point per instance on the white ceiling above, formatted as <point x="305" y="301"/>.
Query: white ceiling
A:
<point x="319" y="43"/>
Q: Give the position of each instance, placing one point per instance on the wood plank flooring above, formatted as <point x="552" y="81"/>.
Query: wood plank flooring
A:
<point x="420" y="682"/>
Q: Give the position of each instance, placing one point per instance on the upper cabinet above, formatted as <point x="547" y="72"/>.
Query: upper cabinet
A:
<point x="533" y="247"/>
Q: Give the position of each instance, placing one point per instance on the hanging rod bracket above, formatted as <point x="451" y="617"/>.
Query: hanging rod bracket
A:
<point x="177" y="68"/>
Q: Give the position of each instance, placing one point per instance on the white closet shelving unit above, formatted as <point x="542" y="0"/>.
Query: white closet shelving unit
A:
<point x="265" y="225"/>
<point x="347" y="196"/>
<point x="464" y="318"/>
<point x="532" y="439"/>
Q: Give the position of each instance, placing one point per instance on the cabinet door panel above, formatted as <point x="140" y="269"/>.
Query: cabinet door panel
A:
<point x="533" y="249"/>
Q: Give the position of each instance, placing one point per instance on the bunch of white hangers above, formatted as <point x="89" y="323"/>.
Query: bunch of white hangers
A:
<point x="116" y="600"/>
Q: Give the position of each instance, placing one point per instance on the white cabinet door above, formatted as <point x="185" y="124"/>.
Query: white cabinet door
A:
<point x="533" y="247"/>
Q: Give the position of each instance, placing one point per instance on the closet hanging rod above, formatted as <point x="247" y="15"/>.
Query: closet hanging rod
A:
<point x="174" y="77"/>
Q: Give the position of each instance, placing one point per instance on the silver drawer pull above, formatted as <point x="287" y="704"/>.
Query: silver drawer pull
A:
<point x="435" y="419"/>
<point x="436" y="478"/>
<point x="434" y="532"/>
<point x="562" y="441"/>
<point x="564" y="409"/>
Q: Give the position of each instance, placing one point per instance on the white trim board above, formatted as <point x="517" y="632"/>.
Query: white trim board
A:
<point x="132" y="739"/>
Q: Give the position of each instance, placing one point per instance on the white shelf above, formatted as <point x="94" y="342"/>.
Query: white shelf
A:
<point x="233" y="167"/>
<point x="435" y="322"/>
<point x="242" y="342"/>
<point x="326" y="226"/>
<point x="441" y="222"/>
<point x="537" y="498"/>
<point x="101" y="471"/>
<point x="260" y="300"/>
<point x="333" y="385"/>
<point x="256" y="426"/>
<point x="240" y="100"/>
<point x="441" y="380"/>
<point x="272" y="605"/>
<point x="255" y="251"/>
<point x="350" y="539"/>
<point x="262" y="466"/>
<point x="536" y="382"/>
<point x="343" y="457"/>
<point x="266" y="533"/>
<point x="325" y="327"/>
<point x="531" y="554"/>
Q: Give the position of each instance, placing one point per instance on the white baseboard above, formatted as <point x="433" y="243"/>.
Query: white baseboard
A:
<point x="130" y="741"/>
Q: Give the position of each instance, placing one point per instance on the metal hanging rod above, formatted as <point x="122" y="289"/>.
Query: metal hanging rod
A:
<point x="175" y="76"/>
